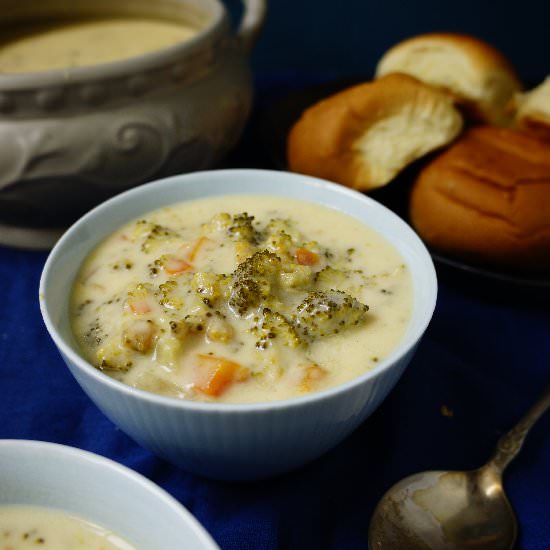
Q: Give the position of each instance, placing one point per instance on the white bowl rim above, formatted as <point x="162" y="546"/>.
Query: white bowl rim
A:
<point x="398" y="352"/>
<point x="80" y="455"/>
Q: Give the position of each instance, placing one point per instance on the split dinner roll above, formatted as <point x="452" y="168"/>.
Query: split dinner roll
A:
<point x="477" y="74"/>
<point x="363" y="136"/>
<point x="533" y="110"/>
<point x="487" y="198"/>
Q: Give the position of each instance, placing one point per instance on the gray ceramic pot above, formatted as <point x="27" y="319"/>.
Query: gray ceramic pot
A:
<point x="71" y="138"/>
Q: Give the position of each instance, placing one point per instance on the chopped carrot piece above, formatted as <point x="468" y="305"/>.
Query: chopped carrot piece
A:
<point x="176" y="265"/>
<point x="214" y="375"/>
<point x="196" y="248"/>
<point x="190" y="250"/>
<point x="312" y="374"/>
<point x="139" y="307"/>
<point x="306" y="257"/>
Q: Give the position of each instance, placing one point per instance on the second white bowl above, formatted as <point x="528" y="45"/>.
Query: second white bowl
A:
<point x="35" y="473"/>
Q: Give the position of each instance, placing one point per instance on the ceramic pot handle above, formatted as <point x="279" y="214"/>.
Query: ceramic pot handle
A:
<point x="252" y="22"/>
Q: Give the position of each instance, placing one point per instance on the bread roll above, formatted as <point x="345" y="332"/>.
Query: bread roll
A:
<point x="477" y="74"/>
<point x="362" y="137"/>
<point x="488" y="198"/>
<point x="533" y="110"/>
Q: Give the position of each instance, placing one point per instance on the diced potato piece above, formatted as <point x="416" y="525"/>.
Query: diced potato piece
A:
<point x="206" y="284"/>
<point x="168" y="349"/>
<point x="151" y="382"/>
<point x="113" y="356"/>
<point x="214" y="375"/>
<point x="219" y="330"/>
<point x="196" y="320"/>
<point x="180" y="329"/>
<point x="243" y="250"/>
<point x="220" y="222"/>
<point x="296" y="276"/>
<point x="140" y="335"/>
<point x="141" y="229"/>
<point x="174" y="292"/>
<point x="140" y="299"/>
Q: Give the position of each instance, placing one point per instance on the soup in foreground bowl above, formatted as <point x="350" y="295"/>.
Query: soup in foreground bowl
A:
<point x="240" y="299"/>
<point x="26" y="527"/>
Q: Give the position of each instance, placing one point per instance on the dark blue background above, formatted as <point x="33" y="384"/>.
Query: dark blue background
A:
<point x="346" y="37"/>
<point x="485" y="356"/>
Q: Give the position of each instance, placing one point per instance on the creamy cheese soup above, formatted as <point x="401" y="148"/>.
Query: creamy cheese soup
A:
<point x="240" y="299"/>
<point x="80" y="42"/>
<point x="26" y="527"/>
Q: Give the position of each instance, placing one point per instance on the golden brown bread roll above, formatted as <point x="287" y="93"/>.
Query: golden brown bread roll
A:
<point x="533" y="110"/>
<point x="488" y="198"/>
<point x="477" y="74"/>
<point x="362" y="137"/>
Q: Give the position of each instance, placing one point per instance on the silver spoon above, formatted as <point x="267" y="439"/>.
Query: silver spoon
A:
<point x="454" y="510"/>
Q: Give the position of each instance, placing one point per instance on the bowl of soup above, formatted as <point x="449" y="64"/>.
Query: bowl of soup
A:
<point x="238" y="323"/>
<point x="97" y="97"/>
<point x="55" y="497"/>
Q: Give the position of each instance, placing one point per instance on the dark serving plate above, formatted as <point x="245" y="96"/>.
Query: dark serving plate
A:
<point x="276" y="117"/>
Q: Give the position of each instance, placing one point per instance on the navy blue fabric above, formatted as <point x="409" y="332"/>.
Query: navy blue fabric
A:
<point x="485" y="357"/>
<point x="482" y="358"/>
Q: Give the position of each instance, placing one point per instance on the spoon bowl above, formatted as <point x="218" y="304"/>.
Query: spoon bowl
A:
<point x="451" y="510"/>
<point x="448" y="510"/>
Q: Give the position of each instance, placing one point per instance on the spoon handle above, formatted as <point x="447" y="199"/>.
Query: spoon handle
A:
<point x="510" y="443"/>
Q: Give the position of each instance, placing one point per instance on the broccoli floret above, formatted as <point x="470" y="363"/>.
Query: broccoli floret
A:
<point x="245" y="294"/>
<point x="280" y="243"/>
<point x="329" y="278"/>
<point x="274" y="325"/>
<point x="153" y="234"/>
<point x="280" y="237"/>
<point x="281" y="225"/>
<point x="242" y="229"/>
<point x="175" y="294"/>
<point x="253" y="280"/>
<point x="323" y="313"/>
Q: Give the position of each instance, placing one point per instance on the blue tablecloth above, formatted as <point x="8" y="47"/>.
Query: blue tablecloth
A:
<point x="484" y="358"/>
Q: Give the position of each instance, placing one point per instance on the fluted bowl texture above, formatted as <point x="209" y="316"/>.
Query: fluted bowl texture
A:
<point x="235" y="441"/>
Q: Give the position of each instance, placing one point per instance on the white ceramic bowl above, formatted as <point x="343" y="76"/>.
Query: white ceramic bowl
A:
<point x="232" y="441"/>
<point x="34" y="473"/>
